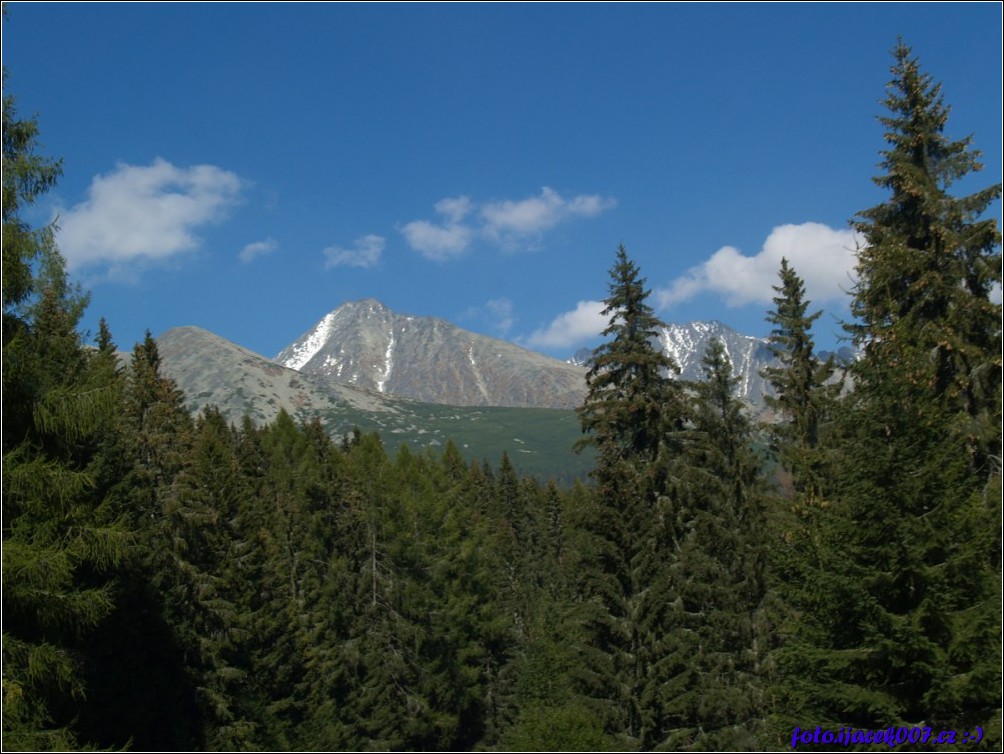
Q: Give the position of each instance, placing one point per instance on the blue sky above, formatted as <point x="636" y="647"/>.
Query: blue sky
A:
<point x="249" y="167"/>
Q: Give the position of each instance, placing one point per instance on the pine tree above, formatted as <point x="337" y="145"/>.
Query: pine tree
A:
<point x="802" y="397"/>
<point x="903" y="626"/>
<point x="634" y="413"/>
<point x="707" y="639"/>
<point x="61" y="543"/>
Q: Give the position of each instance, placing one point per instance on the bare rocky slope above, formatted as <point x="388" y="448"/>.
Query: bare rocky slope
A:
<point x="213" y="371"/>
<point x="364" y="343"/>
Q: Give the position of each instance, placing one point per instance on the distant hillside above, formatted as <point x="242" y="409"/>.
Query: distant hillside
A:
<point x="212" y="370"/>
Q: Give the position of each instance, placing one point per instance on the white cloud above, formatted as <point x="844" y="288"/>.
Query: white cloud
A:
<point x="524" y="217"/>
<point x="516" y="224"/>
<point x="823" y="257"/>
<point x="590" y="205"/>
<point x="454" y="209"/>
<point x="442" y="242"/>
<point x="258" y="249"/>
<point x="436" y="242"/>
<point x="501" y="310"/>
<point x="148" y="212"/>
<point x="365" y="253"/>
<point x="581" y="324"/>
<point x="497" y="313"/>
<point x="512" y="225"/>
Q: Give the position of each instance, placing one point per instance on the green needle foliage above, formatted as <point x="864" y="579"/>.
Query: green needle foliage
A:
<point x="675" y="578"/>
<point x="630" y="395"/>
<point x="709" y="661"/>
<point x="631" y="410"/>
<point x="929" y="263"/>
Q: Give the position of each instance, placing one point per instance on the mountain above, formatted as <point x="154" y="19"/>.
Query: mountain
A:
<point x="212" y="370"/>
<point x="365" y="366"/>
<point x="687" y="344"/>
<point x="364" y="343"/>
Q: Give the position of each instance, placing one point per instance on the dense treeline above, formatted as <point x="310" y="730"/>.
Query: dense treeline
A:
<point x="172" y="582"/>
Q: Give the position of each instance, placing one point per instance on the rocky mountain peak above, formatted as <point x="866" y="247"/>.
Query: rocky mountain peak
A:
<point x="366" y="344"/>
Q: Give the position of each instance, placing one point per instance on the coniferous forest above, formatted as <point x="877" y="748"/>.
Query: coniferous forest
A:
<point x="175" y="582"/>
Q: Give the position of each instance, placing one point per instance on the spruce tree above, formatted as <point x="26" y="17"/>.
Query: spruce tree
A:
<point x="903" y="626"/>
<point x="629" y="391"/>
<point x="707" y="643"/>
<point x="61" y="543"/>
<point x="802" y="398"/>
<point x="928" y="266"/>
<point x="634" y="414"/>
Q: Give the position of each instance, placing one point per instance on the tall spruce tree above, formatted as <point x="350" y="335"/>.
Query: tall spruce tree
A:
<point x="904" y="626"/>
<point x="707" y="684"/>
<point x="625" y="409"/>
<point x="801" y="397"/>
<point x="927" y="268"/>
<point x="633" y="413"/>
<point x="61" y="544"/>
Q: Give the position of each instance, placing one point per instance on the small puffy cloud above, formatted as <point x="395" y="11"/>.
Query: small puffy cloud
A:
<point x="524" y="217"/>
<point x="823" y="257"/>
<point x="444" y="241"/>
<point x="437" y="242"/>
<point x="454" y="209"/>
<point x="258" y="249"/>
<point x="509" y="224"/>
<point x="497" y="313"/>
<point x="501" y="310"/>
<point x="149" y="212"/>
<point x="520" y="224"/>
<point x="514" y="222"/>
<point x="365" y="253"/>
<point x="581" y="324"/>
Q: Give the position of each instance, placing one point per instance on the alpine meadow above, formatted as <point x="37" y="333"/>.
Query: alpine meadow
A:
<point x="714" y="579"/>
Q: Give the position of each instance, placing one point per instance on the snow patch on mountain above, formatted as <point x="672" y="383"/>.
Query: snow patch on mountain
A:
<point x="388" y="361"/>
<point x="482" y="388"/>
<point x="303" y="351"/>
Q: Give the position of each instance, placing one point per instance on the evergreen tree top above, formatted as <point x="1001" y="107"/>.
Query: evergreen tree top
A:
<point x="925" y="251"/>
<point x="630" y="393"/>
<point x="632" y="327"/>
<point x="26" y="176"/>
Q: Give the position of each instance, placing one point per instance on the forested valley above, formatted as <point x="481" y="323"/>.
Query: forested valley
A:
<point x="173" y="582"/>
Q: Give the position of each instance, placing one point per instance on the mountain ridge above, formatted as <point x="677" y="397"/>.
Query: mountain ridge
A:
<point x="356" y="362"/>
<point x="423" y="358"/>
<point x="430" y="359"/>
<point x="211" y="370"/>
